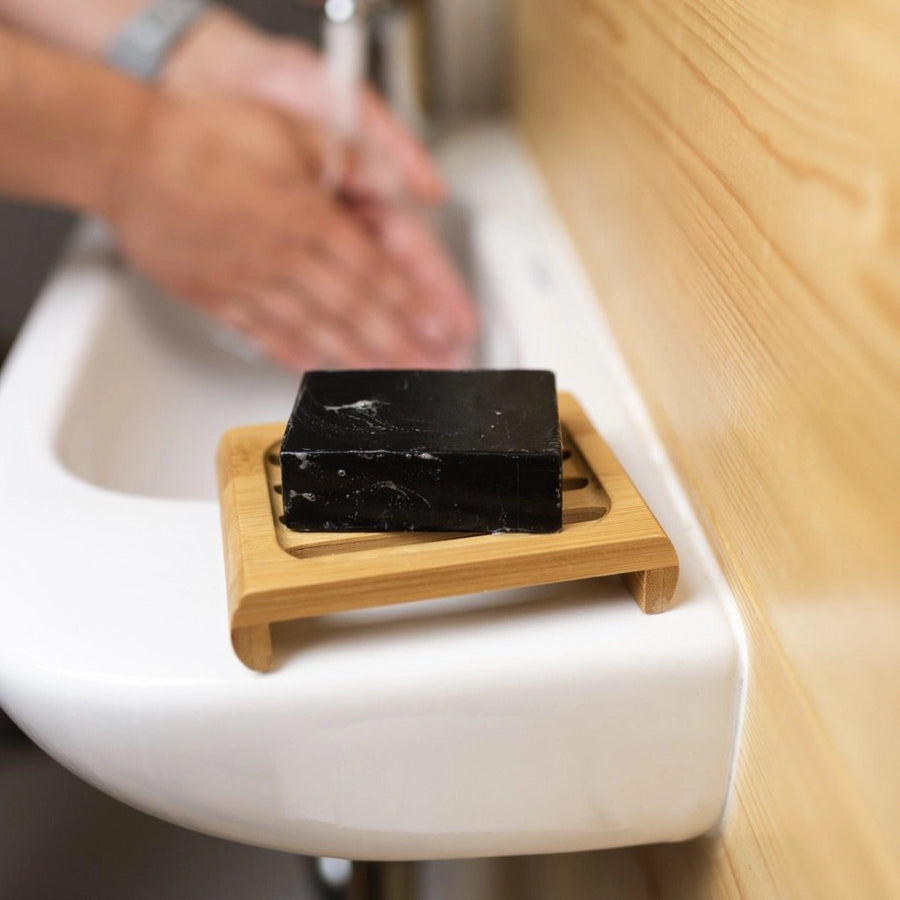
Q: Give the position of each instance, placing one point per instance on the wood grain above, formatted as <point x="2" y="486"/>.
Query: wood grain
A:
<point x="731" y="175"/>
<point x="275" y="574"/>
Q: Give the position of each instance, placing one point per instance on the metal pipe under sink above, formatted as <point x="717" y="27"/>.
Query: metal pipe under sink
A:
<point x="346" y="880"/>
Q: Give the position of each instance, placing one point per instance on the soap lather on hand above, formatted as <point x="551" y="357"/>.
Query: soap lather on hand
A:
<point x="424" y="450"/>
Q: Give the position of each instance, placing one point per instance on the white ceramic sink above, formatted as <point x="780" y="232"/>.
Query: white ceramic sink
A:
<point x="541" y="720"/>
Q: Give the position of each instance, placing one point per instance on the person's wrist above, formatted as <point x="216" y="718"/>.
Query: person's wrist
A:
<point x="127" y="152"/>
<point x="210" y="53"/>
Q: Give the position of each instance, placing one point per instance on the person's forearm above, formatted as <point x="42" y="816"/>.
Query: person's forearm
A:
<point x="65" y="124"/>
<point x="86" y="28"/>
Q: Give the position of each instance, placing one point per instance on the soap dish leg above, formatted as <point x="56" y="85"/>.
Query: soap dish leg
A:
<point x="253" y="646"/>
<point x="652" y="589"/>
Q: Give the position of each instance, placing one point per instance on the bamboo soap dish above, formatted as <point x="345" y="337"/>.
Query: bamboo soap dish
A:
<point x="276" y="575"/>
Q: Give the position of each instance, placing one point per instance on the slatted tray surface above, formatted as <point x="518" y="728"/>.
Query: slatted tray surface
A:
<point x="275" y="574"/>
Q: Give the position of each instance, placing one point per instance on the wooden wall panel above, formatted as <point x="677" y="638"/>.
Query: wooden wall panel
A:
<point x="731" y="174"/>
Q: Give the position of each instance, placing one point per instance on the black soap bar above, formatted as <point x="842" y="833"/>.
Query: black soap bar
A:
<point x="423" y="450"/>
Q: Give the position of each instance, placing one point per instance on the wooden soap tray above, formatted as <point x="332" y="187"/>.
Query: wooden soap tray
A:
<point x="275" y="574"/>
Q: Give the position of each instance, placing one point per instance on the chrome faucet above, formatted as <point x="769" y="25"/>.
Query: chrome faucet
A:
<point x="379" y="40"/>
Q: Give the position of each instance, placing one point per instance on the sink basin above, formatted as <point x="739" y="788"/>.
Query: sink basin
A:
<point x="159" y="384"/>
<point x="529" y="721"/>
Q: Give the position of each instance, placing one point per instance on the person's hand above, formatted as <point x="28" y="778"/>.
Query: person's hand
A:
<point x="226" y="55"/>
<point x="220" y="202"/>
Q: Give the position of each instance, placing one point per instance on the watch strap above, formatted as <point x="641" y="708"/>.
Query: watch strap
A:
<point x="143" y="44"/>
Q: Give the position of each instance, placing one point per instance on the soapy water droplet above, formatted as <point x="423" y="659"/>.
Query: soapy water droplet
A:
<point x="399" y="493"/>
<point x="363" y="406"/>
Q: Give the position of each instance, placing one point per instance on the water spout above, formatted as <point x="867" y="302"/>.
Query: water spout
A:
<point x="345" y="43"/>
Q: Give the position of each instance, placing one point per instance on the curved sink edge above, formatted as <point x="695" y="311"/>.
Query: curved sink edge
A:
<point x="724" y="674"/>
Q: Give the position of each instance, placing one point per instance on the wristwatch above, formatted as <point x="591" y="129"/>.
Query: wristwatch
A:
<point x="143" y="44"/>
